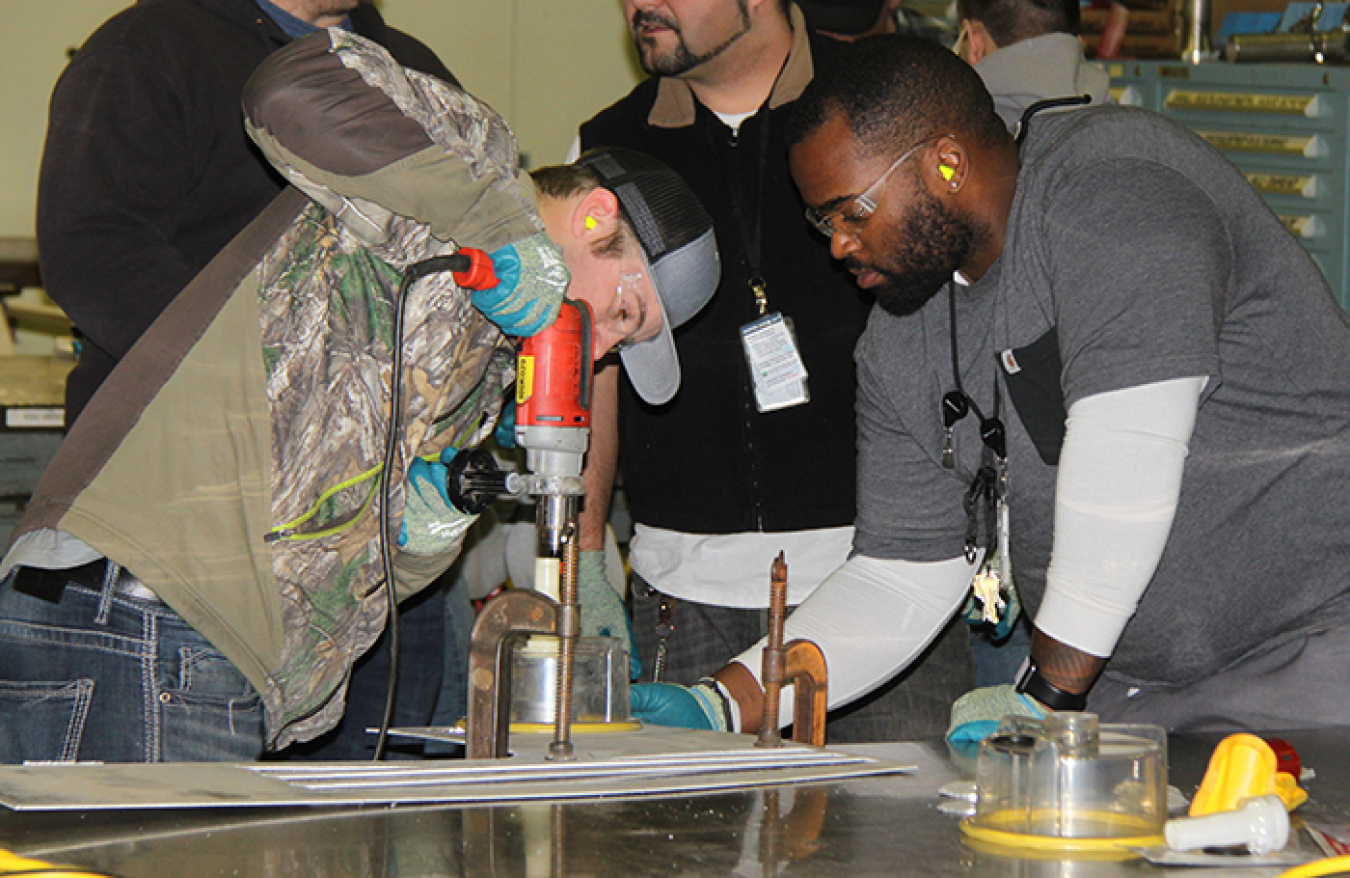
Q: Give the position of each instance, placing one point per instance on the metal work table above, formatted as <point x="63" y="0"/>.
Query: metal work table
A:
<point x="869" y="826"/>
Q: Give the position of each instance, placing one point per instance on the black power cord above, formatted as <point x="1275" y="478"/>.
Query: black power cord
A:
<point x="411" y="274"/>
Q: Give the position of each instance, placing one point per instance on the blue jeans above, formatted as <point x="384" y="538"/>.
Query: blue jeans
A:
<point x="101" y="676"/>
<point x="421" y="647"/>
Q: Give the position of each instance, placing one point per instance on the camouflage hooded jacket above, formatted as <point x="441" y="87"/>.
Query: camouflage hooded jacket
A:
<point x="233" y="461"/>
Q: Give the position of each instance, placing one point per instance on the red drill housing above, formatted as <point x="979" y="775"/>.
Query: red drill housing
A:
<point x="554" y="372"/>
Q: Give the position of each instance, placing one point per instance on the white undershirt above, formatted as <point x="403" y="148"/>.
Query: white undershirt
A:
<point x="732" y="570"/>
<point x="734" y="120"/>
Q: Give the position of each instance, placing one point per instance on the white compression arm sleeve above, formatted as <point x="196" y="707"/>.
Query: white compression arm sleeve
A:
<point x="1118" y="485"/>
<point x="871" y="618"/>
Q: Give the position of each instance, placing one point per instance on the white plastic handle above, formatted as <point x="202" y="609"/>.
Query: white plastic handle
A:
<point x="1261" y="823"/>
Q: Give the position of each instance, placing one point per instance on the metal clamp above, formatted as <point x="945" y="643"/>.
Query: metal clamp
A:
<point x="503" y="622"/>
<point x="799" y="663"/>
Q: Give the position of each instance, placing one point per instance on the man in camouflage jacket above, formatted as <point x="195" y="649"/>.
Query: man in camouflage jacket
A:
<point x="212" y="523"/>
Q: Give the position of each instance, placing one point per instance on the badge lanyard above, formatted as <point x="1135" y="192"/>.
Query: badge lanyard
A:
<point x="769" y="341"/>
<point x="986" y="500"/>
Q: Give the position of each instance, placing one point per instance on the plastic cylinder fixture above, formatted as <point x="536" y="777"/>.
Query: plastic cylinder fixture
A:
<point x="1067" y="783"/>
<point x="599" y="685"/>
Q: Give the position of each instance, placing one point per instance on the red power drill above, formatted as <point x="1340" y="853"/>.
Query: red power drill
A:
<point x="554" y="372"/>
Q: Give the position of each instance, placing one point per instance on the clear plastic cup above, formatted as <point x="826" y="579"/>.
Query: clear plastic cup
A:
<point x="1066" y="782"/>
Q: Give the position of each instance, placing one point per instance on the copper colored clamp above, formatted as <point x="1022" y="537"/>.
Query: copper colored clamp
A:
<point x="505" y="620"/>
<point x="805" y="669"/>
<point x="799" y="663"/>
<point x="773" y="660"/>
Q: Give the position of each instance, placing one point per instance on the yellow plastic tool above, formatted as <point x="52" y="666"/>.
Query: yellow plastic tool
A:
<point x="13" y="864"/>
<point x="1242" y="767"/>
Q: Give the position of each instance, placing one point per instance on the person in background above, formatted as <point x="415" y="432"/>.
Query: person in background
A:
<point x="744" y="462"/>
<point x="1028" y="51"/>
<point x="233" y="510"/>
<point x="850" y="19"/>
<point x="147" y="174"/>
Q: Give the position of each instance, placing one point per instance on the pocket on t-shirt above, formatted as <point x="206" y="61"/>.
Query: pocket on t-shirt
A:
<point x="1032" y="376"/>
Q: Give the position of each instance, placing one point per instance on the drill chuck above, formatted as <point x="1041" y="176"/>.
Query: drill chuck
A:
<point x="474" y="481"/>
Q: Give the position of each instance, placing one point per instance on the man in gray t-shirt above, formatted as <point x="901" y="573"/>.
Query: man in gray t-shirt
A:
<point x="1104" y="331"/>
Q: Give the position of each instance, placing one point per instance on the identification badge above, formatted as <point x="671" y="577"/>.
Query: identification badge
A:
<point x="776" y="367"/>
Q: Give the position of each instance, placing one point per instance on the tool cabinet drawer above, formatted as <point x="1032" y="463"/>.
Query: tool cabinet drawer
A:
<point x="1283" y="125"/>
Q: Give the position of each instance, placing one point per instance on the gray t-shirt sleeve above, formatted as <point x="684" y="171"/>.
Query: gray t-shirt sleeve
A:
<point x="1138" y="262"/>
<point x="909" y="508"/>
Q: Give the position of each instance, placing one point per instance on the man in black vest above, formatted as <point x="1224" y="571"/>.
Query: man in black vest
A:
<point x="755" y="455"/>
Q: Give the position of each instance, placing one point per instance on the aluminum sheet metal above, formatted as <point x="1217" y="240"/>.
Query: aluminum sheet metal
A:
<point x="607" y="765"/>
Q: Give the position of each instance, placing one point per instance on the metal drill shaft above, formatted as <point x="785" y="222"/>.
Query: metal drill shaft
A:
<point x="568" y="627"/>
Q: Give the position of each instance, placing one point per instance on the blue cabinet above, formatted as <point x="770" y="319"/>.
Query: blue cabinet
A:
<point x="1283" y="125"/>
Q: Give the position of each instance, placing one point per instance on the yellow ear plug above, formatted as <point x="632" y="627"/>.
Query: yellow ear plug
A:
<point x="946" y="172"/>
<point x="591" y="223"/>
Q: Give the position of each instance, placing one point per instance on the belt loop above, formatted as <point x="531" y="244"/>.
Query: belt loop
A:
<point x="110" y="573"/>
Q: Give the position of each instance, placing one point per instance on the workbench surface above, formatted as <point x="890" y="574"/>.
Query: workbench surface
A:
<point x="863" y="827"/>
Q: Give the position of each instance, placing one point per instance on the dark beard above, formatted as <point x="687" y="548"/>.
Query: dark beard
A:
<point x="681" y="60"/>
<point x="934" y="243"/>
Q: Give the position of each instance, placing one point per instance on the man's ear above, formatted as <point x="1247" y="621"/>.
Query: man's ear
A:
<point x="596" y="215"/>
<point x="950" y="171"/>
<point x="979" y="45"/>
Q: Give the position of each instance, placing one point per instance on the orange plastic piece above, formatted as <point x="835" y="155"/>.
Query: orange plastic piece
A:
<point x="480" y="274"/>
<point x="1242" y="767"/>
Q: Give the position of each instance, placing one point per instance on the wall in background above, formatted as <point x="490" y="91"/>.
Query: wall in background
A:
<point x="545" y="65"/>
<point x="37" y="36"/>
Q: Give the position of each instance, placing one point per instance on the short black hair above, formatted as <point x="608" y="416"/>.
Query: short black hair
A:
<point x="1011" y="21"/>
<point x="894" y="91"/>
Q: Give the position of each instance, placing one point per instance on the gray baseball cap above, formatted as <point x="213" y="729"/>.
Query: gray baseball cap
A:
<point x="680" y="248"/>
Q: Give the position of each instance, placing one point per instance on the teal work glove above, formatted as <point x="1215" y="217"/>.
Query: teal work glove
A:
<point x="531" y="280"/>
<point x="975" y="715"/>
<point x="684" y="707"/>
<point x="431" y="523"/>
<point x="602" y="611"/>
<point x="505" y="431"/>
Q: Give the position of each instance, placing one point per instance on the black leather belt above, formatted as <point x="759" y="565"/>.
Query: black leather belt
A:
<point x="49" y="585"/>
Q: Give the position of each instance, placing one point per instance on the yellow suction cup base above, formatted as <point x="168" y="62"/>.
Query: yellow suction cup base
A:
<point x="599" y="728"/>
<point x="1026" y="841"/>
